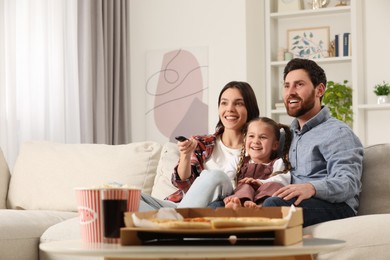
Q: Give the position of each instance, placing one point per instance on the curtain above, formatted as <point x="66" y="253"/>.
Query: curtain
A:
<point x="63" y="72"/>
<point x="103" y="41"/>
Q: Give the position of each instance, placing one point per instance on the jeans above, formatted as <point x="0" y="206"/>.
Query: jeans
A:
<point x="209" y="186"/>
<point x="216" y="204"/>
<point x="314" y="210"/>
<point x="148" y="203"/>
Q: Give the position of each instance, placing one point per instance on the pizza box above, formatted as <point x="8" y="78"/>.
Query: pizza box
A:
<point x="287" y="234"/>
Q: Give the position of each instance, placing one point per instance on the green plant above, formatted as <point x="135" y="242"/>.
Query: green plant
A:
<point x="338" y="98"/>
<point x="382" y="89"/>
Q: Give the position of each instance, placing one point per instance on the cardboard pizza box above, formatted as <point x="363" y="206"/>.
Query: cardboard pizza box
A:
<point x="287" y="234"/>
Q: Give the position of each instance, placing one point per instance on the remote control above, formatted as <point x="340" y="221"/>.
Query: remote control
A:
<point x="181" y="138"/>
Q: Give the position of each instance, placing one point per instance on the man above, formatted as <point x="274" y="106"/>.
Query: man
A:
<point x="325" y="155"/>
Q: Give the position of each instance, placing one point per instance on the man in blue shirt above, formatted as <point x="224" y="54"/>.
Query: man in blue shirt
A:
<point x="325" y="155"/>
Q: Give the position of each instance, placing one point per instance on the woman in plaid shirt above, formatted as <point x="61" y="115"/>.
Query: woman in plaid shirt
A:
<point x="200" y="174"/>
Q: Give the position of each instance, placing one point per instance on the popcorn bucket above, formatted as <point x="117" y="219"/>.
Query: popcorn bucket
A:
<point x="134" y="199"/>
<point x="89" y="208"/>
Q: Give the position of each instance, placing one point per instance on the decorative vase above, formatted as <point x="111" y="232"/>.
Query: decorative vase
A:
<point x="317" y="4"/>
<point x="383" y="99"/>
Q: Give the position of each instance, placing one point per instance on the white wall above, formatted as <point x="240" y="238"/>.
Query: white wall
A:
<point x="233" y="31"/>
<point x="376" y="58"/>
<point x="170" y="24"/>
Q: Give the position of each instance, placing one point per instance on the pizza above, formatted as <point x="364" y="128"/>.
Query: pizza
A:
<point x="186" y="223"/>
<point x="234" y="222"/>
<point x="218" y="222"/>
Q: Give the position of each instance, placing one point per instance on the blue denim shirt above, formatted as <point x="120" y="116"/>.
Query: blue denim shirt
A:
<point x="327" y="154"/>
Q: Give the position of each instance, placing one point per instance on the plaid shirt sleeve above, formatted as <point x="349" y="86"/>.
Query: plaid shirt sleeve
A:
<point x="206" y="144"/>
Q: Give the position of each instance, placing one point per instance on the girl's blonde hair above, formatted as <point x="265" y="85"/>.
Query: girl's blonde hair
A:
<point x="285" y="145"/>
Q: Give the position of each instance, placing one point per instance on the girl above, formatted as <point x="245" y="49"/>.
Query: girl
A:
<point x="258" y="172"/>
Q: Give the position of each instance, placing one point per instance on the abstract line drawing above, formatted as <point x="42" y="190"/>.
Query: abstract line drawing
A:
<point x="176" y="90"/>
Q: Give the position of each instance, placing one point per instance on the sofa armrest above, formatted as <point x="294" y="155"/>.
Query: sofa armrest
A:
<point x="4" y="180"/>
<point x="374" y="197"/>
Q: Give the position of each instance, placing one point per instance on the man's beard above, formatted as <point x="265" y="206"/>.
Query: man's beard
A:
<point x="305" y="106"/>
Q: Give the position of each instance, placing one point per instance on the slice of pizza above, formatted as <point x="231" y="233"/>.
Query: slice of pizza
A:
<point x="233" y="222"/>
<point x="187" y="223"/>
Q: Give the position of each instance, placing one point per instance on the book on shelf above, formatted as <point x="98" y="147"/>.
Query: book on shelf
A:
<point x="349" y="45"/>
<point x="337" y="44"/>
<point x="343" y="44"/>
<point x="346" y="39"/>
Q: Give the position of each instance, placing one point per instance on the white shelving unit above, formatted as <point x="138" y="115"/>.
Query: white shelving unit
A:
<point x="339" y="20"/>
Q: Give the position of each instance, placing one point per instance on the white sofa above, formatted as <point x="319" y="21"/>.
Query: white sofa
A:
<point x="37" y="201"/>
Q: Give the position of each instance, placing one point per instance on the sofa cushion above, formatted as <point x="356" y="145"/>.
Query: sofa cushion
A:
<point x="367" y="237"/>
<point x="21" y="231"/>
<point x="374" y="198"/>
<point x="4" y="180"/>
<point x="168" y="160"/>
<point x="65" y="230"/>
<point x="46" y="173"/>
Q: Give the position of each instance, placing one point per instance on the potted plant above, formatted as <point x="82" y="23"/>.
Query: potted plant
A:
<point x="382" y="91"/>
<point x="338" y="98"/>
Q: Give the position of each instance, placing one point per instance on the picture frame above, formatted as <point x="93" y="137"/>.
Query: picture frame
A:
<point x="289" y="5"/>
<point x="309" y="43"/>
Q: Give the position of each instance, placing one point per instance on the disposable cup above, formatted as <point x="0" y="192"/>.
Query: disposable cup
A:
<point x="89" y="209"/>
<point x="114" y="203"/>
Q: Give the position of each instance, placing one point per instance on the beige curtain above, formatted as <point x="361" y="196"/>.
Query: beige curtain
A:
<point x="103" y="71"/>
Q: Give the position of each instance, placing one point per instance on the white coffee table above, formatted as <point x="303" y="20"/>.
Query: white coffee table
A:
<point x="300" y="251"/>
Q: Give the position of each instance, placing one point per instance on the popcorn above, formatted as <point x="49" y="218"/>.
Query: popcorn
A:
<point x="115" y="185"/>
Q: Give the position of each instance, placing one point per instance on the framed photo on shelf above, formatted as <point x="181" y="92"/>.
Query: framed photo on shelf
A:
<point x="309" y="43"/>
<point x="289" y="5"/>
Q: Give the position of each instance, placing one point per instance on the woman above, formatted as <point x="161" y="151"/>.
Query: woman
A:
<point x="199" y="175"/>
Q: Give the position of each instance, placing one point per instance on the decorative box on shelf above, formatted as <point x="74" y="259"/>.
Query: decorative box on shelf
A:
<point x="279" y="106"/>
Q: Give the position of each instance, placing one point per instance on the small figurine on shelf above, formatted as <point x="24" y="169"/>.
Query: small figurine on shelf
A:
<point x="342" y="3"/>
<point x="317" y="4"/>
<point x="332" y="49"/>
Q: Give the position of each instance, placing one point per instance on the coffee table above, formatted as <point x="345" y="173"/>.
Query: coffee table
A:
<point x="301" y="251"/>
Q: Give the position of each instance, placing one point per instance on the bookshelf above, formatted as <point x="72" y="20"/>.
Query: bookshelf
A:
<point x="339" y="20"/>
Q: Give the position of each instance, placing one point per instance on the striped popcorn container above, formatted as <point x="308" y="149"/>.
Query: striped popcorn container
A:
<point x="115" y="202"/>
<point x="134" y="198"/>
<point x="89" y="209"/>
